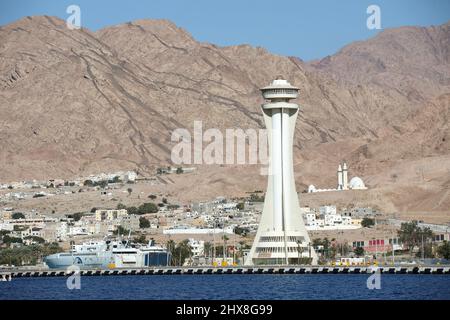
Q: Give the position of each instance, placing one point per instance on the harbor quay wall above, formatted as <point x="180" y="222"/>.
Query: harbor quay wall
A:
<point x="18" y="273"/>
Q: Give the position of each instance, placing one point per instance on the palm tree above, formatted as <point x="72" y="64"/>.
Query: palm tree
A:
<point x="326" y="246"/>
<point x="298" y="250"/>
<point x="36" y="253"/>
<point x="171" y="248"/>
<point x="241" y="248"/>
<point x="225" y="248"/>
<point x="184" y="251"/>
<point x="207" y="248"/>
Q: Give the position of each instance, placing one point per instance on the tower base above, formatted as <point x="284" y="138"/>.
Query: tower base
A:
<point x="269" y="248"/>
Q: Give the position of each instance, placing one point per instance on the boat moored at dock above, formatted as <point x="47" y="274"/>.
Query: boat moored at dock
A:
<point x="110" y="254"/>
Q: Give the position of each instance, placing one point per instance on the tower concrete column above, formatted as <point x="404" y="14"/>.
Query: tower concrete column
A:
<point x="281" y="237"/>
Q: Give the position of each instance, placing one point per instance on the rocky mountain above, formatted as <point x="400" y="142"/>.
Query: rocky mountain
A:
<point x="75" y="102"/>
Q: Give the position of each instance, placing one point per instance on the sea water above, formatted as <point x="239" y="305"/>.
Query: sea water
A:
<point x="245" y="286"/>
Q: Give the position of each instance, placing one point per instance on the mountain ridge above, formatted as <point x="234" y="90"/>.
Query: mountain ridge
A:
<point x="76" y="102"/>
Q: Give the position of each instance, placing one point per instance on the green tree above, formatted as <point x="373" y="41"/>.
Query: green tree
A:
<point x="207" y="247"/>
<point x="367" y="222"/>
<point x="35" y="239"/>
<point x="129" y="190"/>
<point x="324" y="247"/>
<point x="225" y="247"/>
<point x="179" y="170"/>
<point x="18" y="215"/>
<point x="240" y="206"/>
<point x="144" y="223"/>
<point x="121" y="206"/>
<point x="102" y="184"/>
<point x="411" y="235"/>
<point x="241" y="231"/>
<point x="51" y="248"/>
<point x="19" y="228"/>
<point x="219" y="250"/>
<point x="28" y="255"/>
<point x="343" y="249"/>
<point x="141" y="239"/>
<point x="77" y="216"/>
<point x="152" y="196"/>
<point x="8" y="239"/>
<point x="121" y="231"/>
<point x="88" y="183"/>
<point x="444" y="250"/>
<point x="133" y="210"/>
<point x="171" y="245"/>
<point x="358" y="251"/>
<point x="255" y="198"/>
<point x="316" y="242"/>
<point x="147" y="207"/>
<point x="4" y="232"/>
<point x="182" y="251"/>
<point x="427" y="251"/>
<point x="241" y="246"/>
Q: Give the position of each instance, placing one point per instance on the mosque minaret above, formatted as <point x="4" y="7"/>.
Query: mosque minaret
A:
<point x="344" y="176"/>
<point x="339" y="173"/>
<point x="356" y="183"/>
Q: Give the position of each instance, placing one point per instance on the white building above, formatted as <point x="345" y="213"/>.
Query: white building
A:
<point x="193" y="230"/>
<point x="130" y="176"/>
<point x="107" y="214"/>
<point x="324" y="210"/>
<point x="330" y="220"/>
<point x="197" y="247"/>
<point x="310" y="219"/>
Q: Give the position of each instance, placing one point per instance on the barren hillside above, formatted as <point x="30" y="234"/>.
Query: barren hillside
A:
<point x="76" y="102"/>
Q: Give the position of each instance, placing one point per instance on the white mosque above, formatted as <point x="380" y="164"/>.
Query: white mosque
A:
<point x="356" y="183"/>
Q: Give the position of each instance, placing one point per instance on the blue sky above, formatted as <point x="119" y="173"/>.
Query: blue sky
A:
<point x="306" y="29"/>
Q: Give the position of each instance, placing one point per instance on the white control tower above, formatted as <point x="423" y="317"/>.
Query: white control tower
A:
<point x="281" y="237"/>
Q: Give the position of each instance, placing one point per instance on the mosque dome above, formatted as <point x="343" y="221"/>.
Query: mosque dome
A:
<point x="356" y="183"/>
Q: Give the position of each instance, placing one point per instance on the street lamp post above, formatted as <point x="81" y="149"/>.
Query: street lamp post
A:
<point x="393" y="253"/>
<point x="214" y="241"/>
<point x="423" y="251"/>
<point x="376" y="249"/>
<point x="309" y="249"/>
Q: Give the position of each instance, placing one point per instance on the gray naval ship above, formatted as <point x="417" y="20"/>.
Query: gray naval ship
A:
<point x="110" y="254"/>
